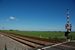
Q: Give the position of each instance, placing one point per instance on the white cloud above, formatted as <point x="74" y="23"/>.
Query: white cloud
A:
<point x="12" y="18"/>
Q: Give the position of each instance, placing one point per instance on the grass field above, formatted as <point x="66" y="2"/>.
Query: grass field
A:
<point x="43" y="34"/>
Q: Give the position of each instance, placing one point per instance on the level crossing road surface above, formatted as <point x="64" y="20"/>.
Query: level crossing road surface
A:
<point x="60" y="46"/>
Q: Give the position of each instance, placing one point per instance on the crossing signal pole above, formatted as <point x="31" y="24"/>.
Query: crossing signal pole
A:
<point x="68" y="26"/>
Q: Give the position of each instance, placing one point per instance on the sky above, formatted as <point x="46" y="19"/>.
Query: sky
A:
<point x="36" y="15"/>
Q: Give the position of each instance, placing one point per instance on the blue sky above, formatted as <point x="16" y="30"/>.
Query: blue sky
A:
<point x="36" y="15"/>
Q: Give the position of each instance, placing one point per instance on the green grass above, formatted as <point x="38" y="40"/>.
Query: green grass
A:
<point x="72" y="35"/>
<point x="43" y="34"/>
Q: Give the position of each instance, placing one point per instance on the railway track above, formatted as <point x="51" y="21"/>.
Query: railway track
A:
<point x="33" y="43"/>
<point x="44" y="43"/>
